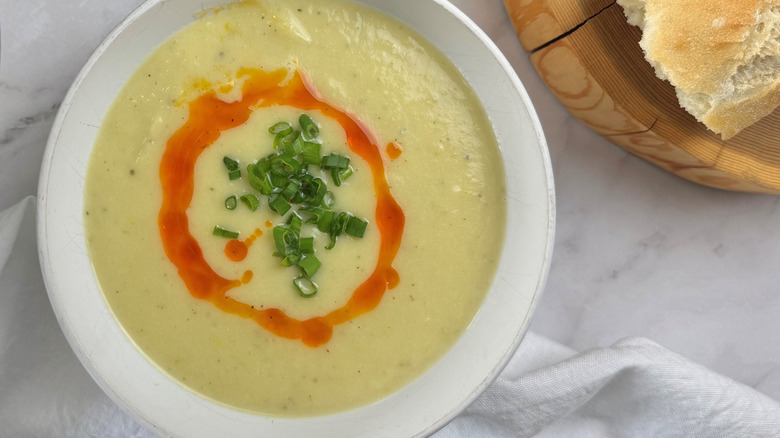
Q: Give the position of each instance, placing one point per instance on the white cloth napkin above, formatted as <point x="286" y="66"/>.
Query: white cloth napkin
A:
<point x="634" y="388"/>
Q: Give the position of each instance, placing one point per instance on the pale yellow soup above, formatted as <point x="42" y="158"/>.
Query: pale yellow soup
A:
<point x="448" y="180"/>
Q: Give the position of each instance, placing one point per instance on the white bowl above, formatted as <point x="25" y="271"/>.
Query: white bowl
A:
<point x="418" y="409"/>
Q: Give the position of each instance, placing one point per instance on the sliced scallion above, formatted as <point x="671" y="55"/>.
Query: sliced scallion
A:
<point x="258" y="180"/>
<point x="230" y="202"/>
<point x="290" y="190"/>
<point x="355" y="226"/>
<point x="337" y="227"/>
<point x="278" y="204"/>
<point x="306" y="245"/>
<point x="284" y="165"/>
<point x="296" y="223"/>
<point x="283" y="176"/>
<point x="230" y="163"/>
<point x="334" y="161"/>
<point x="286" y="240"/>
<point x="324" y="221"/>
<point x="305" y="287"/>
<point x="311" y="152"/>
<point x="250" y="201"/>
<point x="283" y="128"/>
<point x="309" y="264"/>
<point x="222" y="232"/>
<point x="292" y="144"/>
<point x="309" y="128"/>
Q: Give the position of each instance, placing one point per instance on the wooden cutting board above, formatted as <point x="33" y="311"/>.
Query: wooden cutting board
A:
<point x="589" y="57"/>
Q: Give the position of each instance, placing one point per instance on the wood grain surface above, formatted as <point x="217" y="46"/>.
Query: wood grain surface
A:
<point x="589" y="57"/>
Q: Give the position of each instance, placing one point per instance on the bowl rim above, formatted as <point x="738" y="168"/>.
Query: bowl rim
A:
<point x="43" y="215"/>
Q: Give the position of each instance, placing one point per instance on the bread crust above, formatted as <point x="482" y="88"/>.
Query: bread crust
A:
<point x="698" y="44"/>
<point x="702" y="46"/>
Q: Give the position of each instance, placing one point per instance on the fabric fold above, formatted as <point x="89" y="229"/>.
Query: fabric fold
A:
<point x="10" y="222"/>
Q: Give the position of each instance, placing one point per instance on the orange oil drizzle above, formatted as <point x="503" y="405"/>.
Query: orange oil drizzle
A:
<point x="208" y="117"/>
<point x="237" y="250"/>
<point x="393" y="150"/>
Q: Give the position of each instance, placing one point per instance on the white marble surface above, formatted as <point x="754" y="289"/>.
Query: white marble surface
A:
<point x="638" y="251"/>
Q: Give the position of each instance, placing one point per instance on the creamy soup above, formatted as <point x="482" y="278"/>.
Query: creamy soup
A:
<point x="220" y="313"/>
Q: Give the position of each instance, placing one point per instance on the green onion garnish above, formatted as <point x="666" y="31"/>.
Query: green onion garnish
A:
<point x="334" y="161"/>
<point x="222" y="232"/>
<point x="278" y="181"/>
<point x="283" y="176"/>
<point x="309" y="265"/>
<point x="328" y="201"/>
<point x="309" y="128"/>
<point x="296" y="223"/>
<point x="286" y="240"/>
<point x="230" y="202"/>
<point x="337" y="227"/>
<point x="283" y="128"/>
<point x="306" y="245"/>
<point x="230" y="163"/>
<point x="290" y="190"/>
<point x="292" y="259"/>
<point x="258" y="180"/>
<point x="292" y="144"/>
<point x="284" y="165"/>
<point x="311" y="152"/>
<point x="344" y="174"/>
<point x="250" y="201"/>
<point x="355" y="226"/>
<point x="324" y="222"/>
<point x="278" y="204"/>
<point x="305" y="287"/>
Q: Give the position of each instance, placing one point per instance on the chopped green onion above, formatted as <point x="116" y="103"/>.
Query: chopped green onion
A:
<point x="346" y="173"/>
<point x="230" y="163"/>
<point x="278" y="204"/>
<point x="355" y="226"/>
<point x="284" y="165"/>
<point x="320" y="192"/>
<point x="250" y="201"/>
<point x="310" y="265"/>
<point x="305" y="287"/>
<point x="230" y="202"/>
<point x="309" y="128"/>
<point x="278" y="181"/>
<point x="296" y="223"/>
<point x="311" y="152"/>
<point x="222" y="232"/>
<point x="291" y="189"/>
<point x="283" y="128"/>
<point x="334" y="161"/>
<point x="311" y="214"/>
<point x="292" y="144"/>
<point x="324" y="222"/>
<point x="337" y="227"/>
<point x="306" y="245"/>
<point x="283" y="176"/>
<point x="340" y="174"/>
<point x="328" y="200"/>
<point x="292" y="259"/>
<point x="286" y="240"/>
<point x="264" y="164"/>
<point x="258" y="180"/>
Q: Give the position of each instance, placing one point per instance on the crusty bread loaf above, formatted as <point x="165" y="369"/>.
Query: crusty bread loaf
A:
<point x="722" y="56"/>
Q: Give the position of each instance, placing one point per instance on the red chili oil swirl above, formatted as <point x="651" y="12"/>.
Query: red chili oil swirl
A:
<point x="208" y="117"/>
